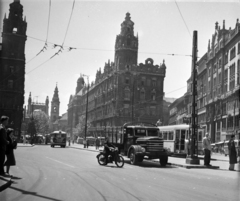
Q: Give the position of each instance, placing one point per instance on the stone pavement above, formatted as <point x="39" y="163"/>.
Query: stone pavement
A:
<point x="218" y="161"/>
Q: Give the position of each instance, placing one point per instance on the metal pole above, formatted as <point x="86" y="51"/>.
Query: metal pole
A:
<point x="194" y="159"/>
<point x="194" y="92"/>
<point x="86" y="115"/>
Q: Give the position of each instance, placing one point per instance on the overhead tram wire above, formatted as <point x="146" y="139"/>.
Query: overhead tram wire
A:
<point x="45" y="45"/>
<point x="61" y="46"/>
<point x="183" y="18"/>
<point x="105" y="50"/>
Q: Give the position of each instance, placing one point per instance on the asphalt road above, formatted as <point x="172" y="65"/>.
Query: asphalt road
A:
<point x="44" y="173"/>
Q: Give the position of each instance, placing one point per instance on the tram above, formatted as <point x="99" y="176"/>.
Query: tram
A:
<point x="176" y="138"/>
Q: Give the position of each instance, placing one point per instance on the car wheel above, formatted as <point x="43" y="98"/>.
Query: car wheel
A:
<point x="133" y="157"/>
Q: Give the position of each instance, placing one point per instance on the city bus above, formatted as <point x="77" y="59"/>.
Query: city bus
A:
<point x="176" y="137"/>
<point x="58" y="138"/>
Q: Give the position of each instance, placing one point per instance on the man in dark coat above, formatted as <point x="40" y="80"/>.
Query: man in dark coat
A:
<point x="3" y="142"/>
<point x="232" y="153"/>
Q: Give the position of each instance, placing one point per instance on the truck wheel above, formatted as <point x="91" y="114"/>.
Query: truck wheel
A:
<point x="133" y="158"/>
<point x="163" y="160"/>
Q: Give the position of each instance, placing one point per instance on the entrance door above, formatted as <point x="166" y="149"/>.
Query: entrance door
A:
<point x="177" y="141"/>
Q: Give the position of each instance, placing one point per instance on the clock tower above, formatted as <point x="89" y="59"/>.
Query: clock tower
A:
<point x="55" y="106"/>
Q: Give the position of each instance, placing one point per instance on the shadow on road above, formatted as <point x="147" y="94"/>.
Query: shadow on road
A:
<point x="33" y="194"/>
<point x="150" y="164"/>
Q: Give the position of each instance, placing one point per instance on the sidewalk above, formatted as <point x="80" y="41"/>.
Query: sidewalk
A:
<point x="24" y="145"/>
<point x="218" y="161"/>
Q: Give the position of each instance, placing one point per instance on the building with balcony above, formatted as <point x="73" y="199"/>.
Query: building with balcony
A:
<point x="217" y="86"/>
<point x="223" y="61"/>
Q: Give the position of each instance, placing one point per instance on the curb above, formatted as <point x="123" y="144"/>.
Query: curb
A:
<point x="172" y="164"/>
<point x="25" y="146"/>
<point x="86" y="149"/>
<point x="194" y="166"/>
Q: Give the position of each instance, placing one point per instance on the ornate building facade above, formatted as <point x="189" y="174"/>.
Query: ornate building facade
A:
<point x="12" y="65"/>
<point x="37" y="106"/>
<point x="124" y="91"/>
<point x="223" y="63"/>
<point x="218" y="85"/>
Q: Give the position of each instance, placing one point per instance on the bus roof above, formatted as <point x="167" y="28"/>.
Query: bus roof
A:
<point x="173" y="127"/>
<point x="58" y="132"/>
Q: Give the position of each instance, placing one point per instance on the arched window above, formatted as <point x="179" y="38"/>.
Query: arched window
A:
<point x="153" y="95"/>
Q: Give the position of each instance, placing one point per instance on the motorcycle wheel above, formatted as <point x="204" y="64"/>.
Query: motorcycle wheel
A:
<point x="101" y="159"/>
<point x="119" y="161"/>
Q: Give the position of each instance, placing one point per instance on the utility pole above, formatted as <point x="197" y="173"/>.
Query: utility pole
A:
<point x="194" y="158"/>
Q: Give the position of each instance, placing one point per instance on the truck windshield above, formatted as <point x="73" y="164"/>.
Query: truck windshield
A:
<point x="153" y="132"/>
<point x="140" y="132"/>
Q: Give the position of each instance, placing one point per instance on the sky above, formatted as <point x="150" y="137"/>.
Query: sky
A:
<point x="164" y="28"/>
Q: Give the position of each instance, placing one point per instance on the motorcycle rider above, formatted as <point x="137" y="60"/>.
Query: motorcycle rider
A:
<point x="107" y="148"/>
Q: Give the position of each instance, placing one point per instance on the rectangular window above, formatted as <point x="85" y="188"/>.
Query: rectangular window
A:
<point x="10" y="84"/>
<point x="154" y="83"/>
<point x="226" y="58"/>
<point x="126" y="80"/>
<point x="11" y="69"/>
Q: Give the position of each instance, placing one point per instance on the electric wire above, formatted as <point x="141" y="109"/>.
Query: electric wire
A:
<point x="183" y="18"/>
<point x="61" y="46"/>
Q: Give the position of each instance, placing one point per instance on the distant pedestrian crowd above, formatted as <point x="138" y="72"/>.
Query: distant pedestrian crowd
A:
<point x="8" y="143"/>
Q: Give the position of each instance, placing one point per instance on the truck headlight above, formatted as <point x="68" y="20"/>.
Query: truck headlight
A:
<point x="143" y="149"/>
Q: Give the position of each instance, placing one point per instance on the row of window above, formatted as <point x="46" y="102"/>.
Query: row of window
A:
<point x="127" y="95"/>
<point x="142" y="82"/>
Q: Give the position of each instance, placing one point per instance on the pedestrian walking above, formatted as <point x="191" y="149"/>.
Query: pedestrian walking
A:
<point x="3" y="143"/>
<point x="232" y="153"/>
<point x="9" y="150"/>
<point x="207" y="149"/>
<point x="97" y="143"/>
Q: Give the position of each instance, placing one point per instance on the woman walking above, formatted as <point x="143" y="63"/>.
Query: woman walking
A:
<point x="232" y="153"/>
<point x="9" y="151"/>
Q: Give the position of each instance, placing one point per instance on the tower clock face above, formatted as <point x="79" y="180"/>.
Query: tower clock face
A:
<point x="54" y="109"/>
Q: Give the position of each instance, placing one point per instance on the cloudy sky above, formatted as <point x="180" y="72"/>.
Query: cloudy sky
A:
<point x="164" y="28"/>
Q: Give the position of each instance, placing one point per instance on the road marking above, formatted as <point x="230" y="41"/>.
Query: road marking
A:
<point x="60" y="162"/>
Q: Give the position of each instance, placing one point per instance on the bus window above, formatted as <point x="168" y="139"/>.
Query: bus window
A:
<point x="152" y="132"/>
<point x="161" y="134"/>
<point x="140" y="132"/>
<point x="183" y="134"/>
<point x="165" y="134"/>
<point x="200" y="134"/>
<point x="177" y="134"/>
<point x="170" y="135"/>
